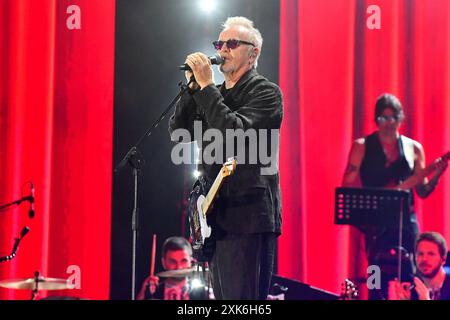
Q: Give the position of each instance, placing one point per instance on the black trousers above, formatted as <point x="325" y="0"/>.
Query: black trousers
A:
<point x="242" y="266"/>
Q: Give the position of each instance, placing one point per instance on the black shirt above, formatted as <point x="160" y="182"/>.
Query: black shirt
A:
<point x="249" y="202"/>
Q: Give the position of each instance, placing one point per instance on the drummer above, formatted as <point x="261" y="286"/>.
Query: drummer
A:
<point x="176" y="254"/>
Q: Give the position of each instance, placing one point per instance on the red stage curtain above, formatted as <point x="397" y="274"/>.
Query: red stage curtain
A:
<point x="332" y="69"/>
<point x="56" y="117"/>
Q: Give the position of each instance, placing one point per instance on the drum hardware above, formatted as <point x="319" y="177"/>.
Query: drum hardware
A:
<point x="37" y="283"/>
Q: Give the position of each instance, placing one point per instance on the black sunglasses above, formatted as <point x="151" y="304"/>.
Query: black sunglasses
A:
<point x="231" y="44"/>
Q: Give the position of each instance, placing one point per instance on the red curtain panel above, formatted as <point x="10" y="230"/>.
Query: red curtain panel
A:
<point x="332" y="69"/>
<point x="56" y="112"/>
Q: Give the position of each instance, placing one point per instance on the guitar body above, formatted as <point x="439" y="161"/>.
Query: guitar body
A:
<point x="201" y="232"/>
<point x="205" y="229"/>
<point x="199" y="227"/>
<point x="200" y="203"/>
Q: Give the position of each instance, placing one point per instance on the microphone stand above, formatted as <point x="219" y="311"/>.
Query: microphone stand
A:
<point x="35" y="290"/>
<point x="17" y="202"/>
<point x="135" y="160"/>
<point x="16" y="245"/>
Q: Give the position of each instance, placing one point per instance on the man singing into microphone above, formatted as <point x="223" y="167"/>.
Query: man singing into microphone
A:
<point x="246" y="217"/>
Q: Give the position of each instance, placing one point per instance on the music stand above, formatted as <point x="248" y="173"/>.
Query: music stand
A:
<point x="362" y="207"/>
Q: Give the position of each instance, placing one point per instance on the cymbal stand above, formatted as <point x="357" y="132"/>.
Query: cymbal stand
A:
<point x="34" y="292"/>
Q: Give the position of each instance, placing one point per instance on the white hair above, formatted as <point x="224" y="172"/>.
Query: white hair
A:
<point x="253" y="33"/>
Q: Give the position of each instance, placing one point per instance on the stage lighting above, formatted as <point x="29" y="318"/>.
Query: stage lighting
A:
<point x="196" y="283"/>
<point x="196" y="174"/>
<point x="207" y="5"/>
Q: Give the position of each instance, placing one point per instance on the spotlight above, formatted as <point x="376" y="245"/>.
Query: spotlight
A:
<point x="196" y="283"/>
<point x="196" y="174"/>
<point x="207" y="5"/>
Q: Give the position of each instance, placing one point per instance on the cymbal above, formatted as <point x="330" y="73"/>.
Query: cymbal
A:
<point x="179" y="273"/>
<point x="43" y="284"/>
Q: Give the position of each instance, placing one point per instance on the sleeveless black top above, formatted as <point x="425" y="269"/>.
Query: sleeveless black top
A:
<point x="375" y="174"/>
<point x="373" y="171"/>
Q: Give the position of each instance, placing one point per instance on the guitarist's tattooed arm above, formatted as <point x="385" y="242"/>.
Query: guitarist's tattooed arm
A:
<point x="351" y="175"/>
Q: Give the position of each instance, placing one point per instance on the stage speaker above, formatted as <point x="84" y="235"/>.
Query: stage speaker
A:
<point x="296" y="290"/>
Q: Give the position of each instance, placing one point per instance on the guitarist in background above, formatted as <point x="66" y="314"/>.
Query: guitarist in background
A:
<point x="386" y="159"/>
<point x="246" y="217"/>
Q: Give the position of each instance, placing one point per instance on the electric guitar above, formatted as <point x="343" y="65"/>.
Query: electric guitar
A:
<point x="418" y="177"/>
<point x="200" y="204"/>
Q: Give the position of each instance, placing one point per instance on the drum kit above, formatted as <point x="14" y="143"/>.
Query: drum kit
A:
<point x="36" y="284"/>
<point x="179" y="273"/>
<point x="198" y="278"/>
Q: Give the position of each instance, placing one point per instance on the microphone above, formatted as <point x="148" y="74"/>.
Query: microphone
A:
<point x="215" y="59"/>
<point x="31" y="212"/>
<point x="24" y="231"/>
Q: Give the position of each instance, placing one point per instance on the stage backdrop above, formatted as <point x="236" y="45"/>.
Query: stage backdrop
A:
<point x="56" y="110"/>
<point x="332" y="69"/>
<point x="56" y="118"/>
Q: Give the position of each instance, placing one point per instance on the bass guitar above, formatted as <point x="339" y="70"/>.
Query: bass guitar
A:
<point x="200" y="204"/>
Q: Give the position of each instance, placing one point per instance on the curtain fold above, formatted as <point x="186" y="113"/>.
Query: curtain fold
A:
<point x="56" y="112"/>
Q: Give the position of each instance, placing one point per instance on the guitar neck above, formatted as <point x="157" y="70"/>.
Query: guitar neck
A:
<point x="415" y="179"/>
<point x="212" y="193"/>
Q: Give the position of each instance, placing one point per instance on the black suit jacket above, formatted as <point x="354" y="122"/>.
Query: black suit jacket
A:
<point x="249" y="201"/>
